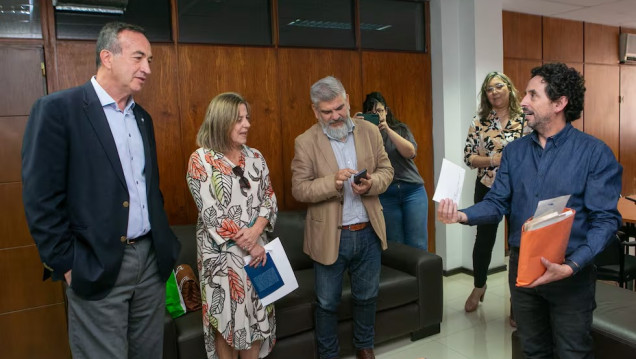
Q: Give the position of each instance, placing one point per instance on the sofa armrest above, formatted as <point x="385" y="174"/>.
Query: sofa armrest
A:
<point x="427" y="268"/>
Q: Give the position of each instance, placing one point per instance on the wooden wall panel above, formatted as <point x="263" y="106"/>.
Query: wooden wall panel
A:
<point x="562" y="40"/>
<point x="22" y="79"/>
<point x="518" y="70"/>
<point x="159" y="98"/>
<point x="11" y="133"/>
<point x="299" y="69"/>
<point x="601" y="104"/>
<point x="411" y="104"/>
<point x="628" y="128"/>
<point x="35" y="333"/>
<point x="206" y="71"/>
<point x="26" y="288"/>
<point x="628" y="30"/>
<point x="522" y="35"/>
<point x="601" y="44"/>
<point x="13" y="227"/>
<point x="75" y="63"/>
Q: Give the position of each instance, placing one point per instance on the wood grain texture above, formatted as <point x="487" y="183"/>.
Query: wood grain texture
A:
<point x="35" y="333"/>
<point x="206" y="71"/>
<point x="518" y="70"/>
<point x="601" y="104"/>
<point x="75" y="63"/>
<point x="562" y="40"/>
<point x="521" y="36"/>
<point x="14" y="231"/>
<point x="628" y="30"/>
<point x="299" y="69"/>
<point x="11" y="133"/>
<point x="25" y="285"/>
<point x="601" y="44"/>
<point x="160" y="98"/>
<point x="22" y="79"/>
<point x="627" y="152"/>
<point x="411" y="104"/>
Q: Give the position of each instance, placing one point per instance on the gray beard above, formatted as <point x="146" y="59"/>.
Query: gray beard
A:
<point x="337" y="133"/>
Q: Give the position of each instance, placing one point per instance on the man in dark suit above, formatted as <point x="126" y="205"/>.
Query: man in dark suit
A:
<point x="93" y="204"/>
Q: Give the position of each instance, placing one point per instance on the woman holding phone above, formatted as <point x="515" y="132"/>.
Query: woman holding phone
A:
<point x="405" y="203"/>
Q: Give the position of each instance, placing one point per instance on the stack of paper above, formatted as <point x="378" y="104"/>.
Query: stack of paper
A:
<point x="546" y="220"/>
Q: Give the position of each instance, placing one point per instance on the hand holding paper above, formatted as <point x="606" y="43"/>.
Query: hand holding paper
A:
<point x="450" y="182"/>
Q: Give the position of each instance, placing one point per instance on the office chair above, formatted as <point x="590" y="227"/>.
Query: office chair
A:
<point x="615" y="263"/>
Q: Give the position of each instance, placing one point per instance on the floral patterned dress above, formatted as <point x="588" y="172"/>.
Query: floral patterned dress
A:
<point x="486" y="137"/>
<point x="230" y="303"/>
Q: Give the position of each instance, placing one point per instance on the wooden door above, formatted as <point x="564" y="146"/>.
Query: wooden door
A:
<point x="627" y="155"/>
<point x="32" y="312"/>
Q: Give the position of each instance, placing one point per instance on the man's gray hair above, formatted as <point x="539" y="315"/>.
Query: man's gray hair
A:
<point x="107" y="38"/>
<point x="326" y="89"/>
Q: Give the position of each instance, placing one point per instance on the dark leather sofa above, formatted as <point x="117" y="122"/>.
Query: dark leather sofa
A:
<point x="409" y="302"/>
<point x="614" y="325"/>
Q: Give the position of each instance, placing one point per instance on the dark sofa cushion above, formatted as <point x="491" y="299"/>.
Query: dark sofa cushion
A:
<point x="188" y="238"/>
<point x="290" y="228"/>
<point x="615" y="316"/>
<point x="190" y="336"/>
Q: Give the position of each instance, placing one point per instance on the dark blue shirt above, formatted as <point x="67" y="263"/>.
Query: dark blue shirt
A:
<point x="573" y="163"/>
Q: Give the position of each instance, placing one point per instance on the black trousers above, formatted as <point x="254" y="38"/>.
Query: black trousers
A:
<point x="484" y="241"/>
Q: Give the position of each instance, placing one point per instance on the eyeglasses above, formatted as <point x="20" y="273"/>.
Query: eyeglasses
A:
<point x="497" y="87"/>
<point x="379" y="110"/>
<point x="243" y="182"/>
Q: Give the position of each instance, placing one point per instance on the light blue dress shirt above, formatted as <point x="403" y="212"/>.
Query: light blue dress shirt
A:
<point x="353" y="210"/>
<point x="130" y="148"/>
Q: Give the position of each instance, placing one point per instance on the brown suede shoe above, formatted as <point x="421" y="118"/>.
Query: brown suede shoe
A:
<point x="365" y="354"/>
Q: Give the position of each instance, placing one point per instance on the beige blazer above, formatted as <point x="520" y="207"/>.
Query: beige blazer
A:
<point x="313" y="181"/>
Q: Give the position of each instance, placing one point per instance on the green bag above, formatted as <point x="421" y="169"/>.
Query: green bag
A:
<point x="174" y="301"/>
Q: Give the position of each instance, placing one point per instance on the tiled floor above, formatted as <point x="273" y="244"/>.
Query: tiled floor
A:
<point x="482" y="334"/>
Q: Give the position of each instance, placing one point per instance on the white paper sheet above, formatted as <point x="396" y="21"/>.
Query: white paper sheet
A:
<point x="450" y="182"/>
<point x="277" y="252"/>
<point x="556" y="204"/>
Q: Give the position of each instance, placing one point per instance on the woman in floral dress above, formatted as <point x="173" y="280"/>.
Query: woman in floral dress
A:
<point x="230" y="184"/>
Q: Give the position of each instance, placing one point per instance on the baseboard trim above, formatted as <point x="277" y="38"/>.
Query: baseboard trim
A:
<point x="448" y="273"/>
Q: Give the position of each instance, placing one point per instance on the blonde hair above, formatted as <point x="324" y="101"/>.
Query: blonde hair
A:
<point x="221" y="116"/>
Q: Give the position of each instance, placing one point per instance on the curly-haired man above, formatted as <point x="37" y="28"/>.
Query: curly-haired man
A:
<point x="554" y="313"/>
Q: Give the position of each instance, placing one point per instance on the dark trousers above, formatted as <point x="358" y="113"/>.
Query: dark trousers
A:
<point x="484" y="242"/>
<point x="554" y="318"/>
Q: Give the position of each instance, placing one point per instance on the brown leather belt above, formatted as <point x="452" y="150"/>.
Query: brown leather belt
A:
<point x="140" y="238"/>
<point x="356" y="226"/>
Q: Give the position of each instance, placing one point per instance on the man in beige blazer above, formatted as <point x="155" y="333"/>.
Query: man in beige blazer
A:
<point x="345" y="229"/>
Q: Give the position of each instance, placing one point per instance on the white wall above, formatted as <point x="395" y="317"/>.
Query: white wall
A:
<point x="466" y="44"/>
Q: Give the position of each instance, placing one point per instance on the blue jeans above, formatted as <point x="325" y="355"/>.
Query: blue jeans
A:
<point x="359" y="254"/>
<point x="556" y="316"/>
<point x="405" y="207"/>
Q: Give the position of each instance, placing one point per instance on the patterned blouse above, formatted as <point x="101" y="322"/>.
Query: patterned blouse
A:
<point x="487" y="138"/>
<point x="228" y="201"/>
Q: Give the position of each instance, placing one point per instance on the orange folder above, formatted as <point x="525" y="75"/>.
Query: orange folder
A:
<point x="549" y="242"/>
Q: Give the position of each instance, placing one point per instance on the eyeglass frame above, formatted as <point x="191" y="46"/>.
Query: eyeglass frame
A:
<point x="500" y="86"/>
<point x="243" y="181"/>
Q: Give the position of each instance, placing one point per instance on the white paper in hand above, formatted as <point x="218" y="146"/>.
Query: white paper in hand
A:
<point x="450" y="182"/>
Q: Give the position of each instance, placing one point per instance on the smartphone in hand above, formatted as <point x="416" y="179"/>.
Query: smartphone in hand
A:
<point x="374" y="118"/>
<point x="358" y="176"/>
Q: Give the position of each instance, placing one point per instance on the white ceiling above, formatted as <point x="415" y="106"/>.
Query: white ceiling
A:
<point x="607" y="12"/>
